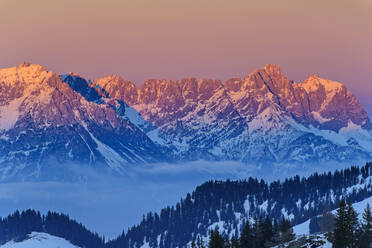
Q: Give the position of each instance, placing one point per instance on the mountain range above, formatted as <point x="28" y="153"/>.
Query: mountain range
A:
<point x="48" y="121"/>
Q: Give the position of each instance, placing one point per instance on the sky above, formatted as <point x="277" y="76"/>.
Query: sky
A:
<point x="173" y="39"/>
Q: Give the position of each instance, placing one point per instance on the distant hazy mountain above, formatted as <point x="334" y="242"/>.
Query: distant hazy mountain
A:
<point x="48" y="120"/>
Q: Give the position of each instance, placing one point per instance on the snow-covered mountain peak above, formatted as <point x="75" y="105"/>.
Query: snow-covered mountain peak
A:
<point x="110" y="79"/>
<point x="263" y="118"/>
<point x="315" y="83"/>
<point x="23" y="88"/>
<point x="259" y="109"/>
<point x="272" y="69"/>
<point x="27" y="66"/>
<point x="333" y="105"/>
<point x="46" y="119"/>
<point x="25" y="73"/>
<point x="118" y="88"/>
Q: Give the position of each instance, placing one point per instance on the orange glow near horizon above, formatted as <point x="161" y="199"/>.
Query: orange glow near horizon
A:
<point x="173" y="39"/>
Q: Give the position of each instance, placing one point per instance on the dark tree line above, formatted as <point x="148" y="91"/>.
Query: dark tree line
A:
<point x="262" y="233"/>
<point x="346" y="232"/>
<point x="230" y="203"/>
<point x="19" y="224"/>
<point x="223" y="201"/>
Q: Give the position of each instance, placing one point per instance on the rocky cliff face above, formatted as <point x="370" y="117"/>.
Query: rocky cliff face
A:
<point x="264" y="118"/>
<point x="45" y="121"/>
<point x="318" y="102"/>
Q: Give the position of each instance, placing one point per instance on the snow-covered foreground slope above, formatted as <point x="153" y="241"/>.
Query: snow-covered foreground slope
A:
<point x="303" y="228"/>
<point x="40" y="240"/>
<point x="304" y="242"/>
<point x="303" y="231"/>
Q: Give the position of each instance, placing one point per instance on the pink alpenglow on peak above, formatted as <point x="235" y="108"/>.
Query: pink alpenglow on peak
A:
<point x="262" y="118"/>
<point x="313" y="98"/>
<point x="272" y="69"/>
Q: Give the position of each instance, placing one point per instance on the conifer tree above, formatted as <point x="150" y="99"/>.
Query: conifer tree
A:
<point x="340" y="239"/>
<point x="247" y="237"/>
<point x="258" y="233"/>
<point x="276" y="233"/>
<point x="352" y="226"/>
<point x="267" y="231"/>
<point x="286" y="231"/>
<point x="366" y="229"/>
<point x="234" y="242"/>
<point x="216" y="240"/>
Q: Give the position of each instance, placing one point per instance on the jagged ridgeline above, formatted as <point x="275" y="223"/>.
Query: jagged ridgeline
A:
<point x="50" y="122"/>
<point x="222" y="205"/>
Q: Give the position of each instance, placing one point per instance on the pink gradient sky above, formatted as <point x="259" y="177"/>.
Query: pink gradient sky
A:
<point x="141" y="39"/>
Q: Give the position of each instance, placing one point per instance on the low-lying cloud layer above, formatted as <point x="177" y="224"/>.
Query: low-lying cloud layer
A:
<point x="109" y="204"/>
